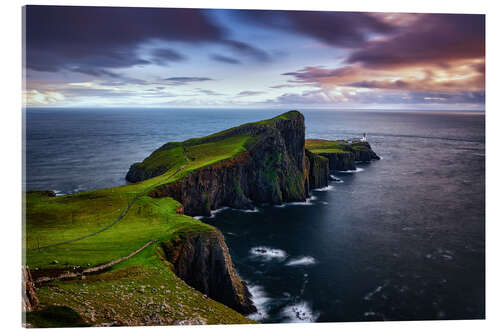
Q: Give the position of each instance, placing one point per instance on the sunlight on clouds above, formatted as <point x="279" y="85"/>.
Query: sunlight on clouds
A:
<point x="35" y="97"/>
<point x="81" y="84"/>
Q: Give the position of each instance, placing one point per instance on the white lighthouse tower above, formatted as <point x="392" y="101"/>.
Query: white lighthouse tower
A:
<point x="363" y="139"/>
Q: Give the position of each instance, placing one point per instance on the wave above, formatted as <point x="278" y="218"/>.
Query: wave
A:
<point x="308" y="202"/>
<point x="351" y="171"/>
<point x="324" y="189"/>
<point x="372" y="293"/>
<point x="213" y="213"/>
<point x="300" y="312"/>
<point x="267" y="253"/>
<point x="335" y="179"/>
<point x="301" y="261"/>
<point x="260" y="300"/>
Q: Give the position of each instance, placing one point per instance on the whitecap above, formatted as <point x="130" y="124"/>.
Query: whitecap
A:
<point x="254" y="210"/>
<point x="301" y="261"/>
<point x="308" y="202"/>
<point x="260" y="299"/>
<point x="324" y="189"/>
<point x="299" y="313"/>
<point x="351" y="171"/>
<point x="216" y="211"/>
<point x="376" y="291"/>
<point x="267" y="253"/>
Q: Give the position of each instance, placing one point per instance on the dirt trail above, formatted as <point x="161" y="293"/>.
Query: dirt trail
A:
<point x="95" y="269"/>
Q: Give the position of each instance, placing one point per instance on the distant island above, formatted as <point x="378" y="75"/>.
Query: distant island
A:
<point x="134" y="254"/>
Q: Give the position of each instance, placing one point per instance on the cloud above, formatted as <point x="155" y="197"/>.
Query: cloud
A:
<point x="457" y="76"/>
<point x="431" y="39"/>
<point x="247" y="49"/>
<point x="209" y="92"/>
<point x="279" y="86"/>
<point x="344" y="29"/>
<point x="183" y="80"/>
<point x="350" y="96"/>
<point x="94" y="40"/>
<point x="248" y="93"/>
<point x="224" y="59"/>
<point x="164" y="56"/>
<point x="37" y="97"/>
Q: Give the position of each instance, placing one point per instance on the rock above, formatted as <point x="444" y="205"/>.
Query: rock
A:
<point x="30" y="300"/>
<point x="192" y="321"/>
<point x="55" y="262"/>
<point x="202" y="260"/>
<point x="318" y="170"/>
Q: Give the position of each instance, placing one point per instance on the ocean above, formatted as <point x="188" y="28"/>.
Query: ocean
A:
<point x="402" y="238"/>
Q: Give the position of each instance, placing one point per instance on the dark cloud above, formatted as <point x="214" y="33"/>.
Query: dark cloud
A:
<point x="279" y="86"/>
<point x="432" y="39"/>
<point x="247" y="93"/>
<point x="92" y="39"/>
<point x="247" y="49"/>
<point x="209" y="92"/>
<point x="164" y="56"/>
<point x="399" y="84"/>
<point x="345" y="29"/>
<point x="224" y="59"/>
<point x="313" y="73"/>
<point x="320" y="97"/>
<point x="183" y="80"/>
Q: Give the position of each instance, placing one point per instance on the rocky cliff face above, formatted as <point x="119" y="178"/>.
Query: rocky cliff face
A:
<point x="318" y="170"/>
<point x="273" y="170"/>
<point x="202" y="260"/>
<point x="359" y="152"/>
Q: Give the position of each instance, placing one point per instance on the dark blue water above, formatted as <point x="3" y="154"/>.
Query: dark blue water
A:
<point x="402" y="239"/>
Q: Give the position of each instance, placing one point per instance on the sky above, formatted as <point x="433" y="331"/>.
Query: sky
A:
<point x="171" y="57"/>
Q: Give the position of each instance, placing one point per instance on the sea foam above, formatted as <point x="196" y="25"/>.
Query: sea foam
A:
<point x="300" y="312"/>
<point x="267" y="253"/>
<point x="301" y="261"/>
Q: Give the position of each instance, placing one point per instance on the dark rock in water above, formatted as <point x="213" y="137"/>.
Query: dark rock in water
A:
<point x="202" y="260"/>
<point x="356" y="152"/>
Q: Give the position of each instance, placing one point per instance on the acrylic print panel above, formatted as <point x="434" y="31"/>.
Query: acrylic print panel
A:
<point x="201" y="166"/>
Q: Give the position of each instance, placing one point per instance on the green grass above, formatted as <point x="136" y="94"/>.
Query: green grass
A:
<point x="142" y="290"/>
<point x="318" y="146"/>
<point x="55" y="316"/>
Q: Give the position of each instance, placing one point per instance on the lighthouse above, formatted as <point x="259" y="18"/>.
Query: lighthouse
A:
<point x="363" y="139"/>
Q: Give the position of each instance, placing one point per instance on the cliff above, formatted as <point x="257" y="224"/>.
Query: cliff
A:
<point x="318" y="168"/>
<point x="269" y="166"/>
<point x="202" y="260"/>
<point x="342" y="155"/>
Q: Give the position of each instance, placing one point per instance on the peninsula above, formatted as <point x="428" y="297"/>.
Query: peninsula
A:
<point x="134" y="254"/>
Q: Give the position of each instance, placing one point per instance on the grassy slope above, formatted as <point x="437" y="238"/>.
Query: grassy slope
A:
<point x="318" y="146"/>
<point x="51" y="220"/>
